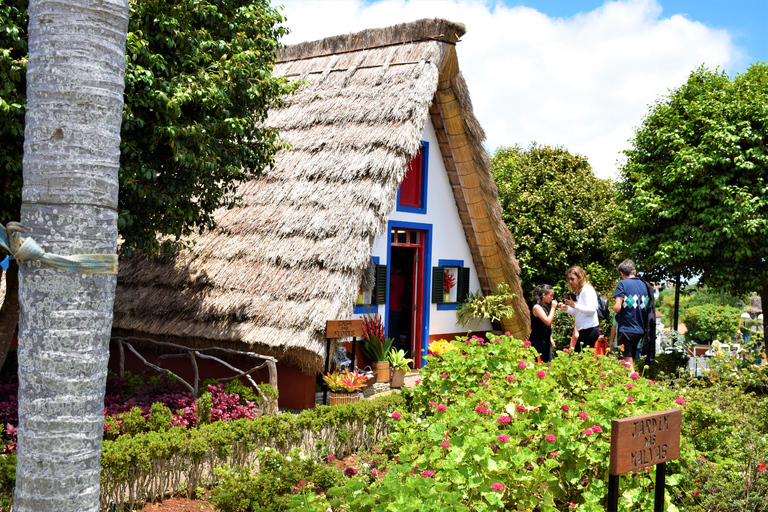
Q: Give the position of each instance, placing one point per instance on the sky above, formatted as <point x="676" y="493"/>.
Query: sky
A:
<point x="579" y="74"/>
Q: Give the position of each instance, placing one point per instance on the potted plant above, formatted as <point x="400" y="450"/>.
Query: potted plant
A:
<point x="376" y="346"/>
<point x="345" y="386"/>
<point x="449" y="281"/>
<point x="495" y="306"/>
<point x="399" y="364"/>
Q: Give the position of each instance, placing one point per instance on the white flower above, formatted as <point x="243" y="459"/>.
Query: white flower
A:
<point x="288" y="458"/>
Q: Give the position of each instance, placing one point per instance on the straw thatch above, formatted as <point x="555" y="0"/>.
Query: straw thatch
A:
<point x="292" y="256"/>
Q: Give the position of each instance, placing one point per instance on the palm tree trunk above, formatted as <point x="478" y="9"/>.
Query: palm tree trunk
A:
<point x="75" y="82"/>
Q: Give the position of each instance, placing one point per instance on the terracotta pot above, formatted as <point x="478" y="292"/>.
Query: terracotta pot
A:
<point x="398" y="378"/>
<point x="340" y="397"/>
<point x="381" y="369"/>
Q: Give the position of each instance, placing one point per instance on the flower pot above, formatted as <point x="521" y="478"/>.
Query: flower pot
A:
<point x="359" y="298"/>
<point x="446" y="297"/>
<point x="381" y="369"/>
<point x="398" y="378"/>
<point x="340" y="397"/>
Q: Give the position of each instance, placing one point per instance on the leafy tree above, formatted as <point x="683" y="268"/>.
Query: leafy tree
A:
<point x="559" y="212"/>
<point x="198" y="86"/>
<point x="695" y="295"/>
<point x="711" y="322"/>
<point x="694" y="190"/>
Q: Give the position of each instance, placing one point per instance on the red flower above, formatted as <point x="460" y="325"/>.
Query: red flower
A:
<point x="761" y="467"/>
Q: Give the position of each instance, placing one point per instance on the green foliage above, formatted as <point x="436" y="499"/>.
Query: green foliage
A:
<point x="495" y="306"/>
<point x="694" y="295"/>
<point x="558" y="211"/>
<point x="204" y="405"/>
<point x="728" y="429"/>
<point x="664" y="366"/>
<point x="711" y="322"/>
<point x="160" y="417"/>
<point x="693" y="189"/>
<point x="198" y="85"/>
<point x="7" y="479"/>
<point x="132" y="422"/>
<point x="13" y="86"/>
<point x="489" y="429"/>
<point x="397" y="360"/>
<point x="270" y="489"/>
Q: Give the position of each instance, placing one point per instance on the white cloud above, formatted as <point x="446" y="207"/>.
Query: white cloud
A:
<point x="581" y="82"/>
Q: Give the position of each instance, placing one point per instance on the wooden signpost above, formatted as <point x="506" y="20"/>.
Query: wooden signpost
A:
<point x="643" y="441"/>
<point x="335" y="329"/>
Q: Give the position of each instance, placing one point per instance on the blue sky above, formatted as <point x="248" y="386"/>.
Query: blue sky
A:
<point x="745" y="20"/>
<point x="579" y="73"/>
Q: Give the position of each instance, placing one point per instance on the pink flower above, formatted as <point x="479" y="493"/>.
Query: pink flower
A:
<point x="587" y="432"/>
<point x="566" y="350"/>
<point x="503" y="419"/>
<point x="487" y="376"/>
<point x="602" y="385"/>
<point x="417" y="381"/>
<point x="507" y="333"/>
<point x="503" y="438"/>
<point x="395" y="415"/>
<point x="696" y="492"/>
<point x="583" y="415"/>
<point x="469" y="394"/>
<point x="526" y="343"/>
<point x="551" y="438"/>
<point x="634" y="375"/>
<point x="376" y="472"/>
<point x="540" y="374"/>
<point x="479" y="409"/>
<point x="630" y="386"/>
<point x="331" y="458"/>
<point x="484" y="383"/>
<point x="554" y="455"/>
<point x="446" y="436"/>
<point x="573" y="505"/>
<point x="301" y="482"/>
<point x="444" y="375"/>
<point x="630" y="399"/>
<point x="602" y="374"/>
<point x="497" y="487"/>
<point x="680" y="400"/>
<point x="511" y="378"/>
<point x="441" y="408"/>
<point x="428" y="473"/>
<point x="521" y="408"/>
<point x="432" y="404"/>
<point x="596" y="428"/>
<point x="350" y="472"/>
<point x="522" y="365"/>
<point x="444" y="444"/>
<point x="565" y="408"/>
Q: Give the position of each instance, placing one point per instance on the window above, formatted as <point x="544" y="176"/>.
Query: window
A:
<point x="412" y="196"/>
<point x="450" y="284"/>
<point x="373" y="288"/>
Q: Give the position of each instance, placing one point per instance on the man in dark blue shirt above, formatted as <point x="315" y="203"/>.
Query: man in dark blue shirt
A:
<point x="631" y="309"/>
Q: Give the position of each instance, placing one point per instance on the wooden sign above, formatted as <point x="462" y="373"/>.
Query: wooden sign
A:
<point x="642" y="441"/>
<point x="343" y="328"/>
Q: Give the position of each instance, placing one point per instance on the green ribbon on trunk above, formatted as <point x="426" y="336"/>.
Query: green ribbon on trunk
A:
<point x="25" y="249"/>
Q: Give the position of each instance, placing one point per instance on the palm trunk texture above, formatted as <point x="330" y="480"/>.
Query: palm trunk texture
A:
<point x="75" y="82"/>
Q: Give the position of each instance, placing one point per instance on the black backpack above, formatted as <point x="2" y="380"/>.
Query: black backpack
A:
<point x="603" y="313"/>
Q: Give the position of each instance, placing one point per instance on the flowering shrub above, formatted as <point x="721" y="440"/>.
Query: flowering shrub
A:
<point x="545" y="448"/>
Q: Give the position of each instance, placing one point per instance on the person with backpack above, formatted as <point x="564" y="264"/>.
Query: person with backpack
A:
<point x="632" y="306"/>
<point x="583" y="309"/>
<point x="542" y="315"/>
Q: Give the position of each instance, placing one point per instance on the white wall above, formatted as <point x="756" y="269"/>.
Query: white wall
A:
<point x="448" y="239"/>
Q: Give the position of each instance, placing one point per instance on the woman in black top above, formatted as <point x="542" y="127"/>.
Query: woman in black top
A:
<point x="543" y="312"/>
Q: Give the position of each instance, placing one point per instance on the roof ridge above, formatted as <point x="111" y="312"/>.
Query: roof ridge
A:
<point x="416" y="31"/>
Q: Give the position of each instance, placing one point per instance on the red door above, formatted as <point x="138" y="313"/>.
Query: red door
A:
<point x="407" y="253"/>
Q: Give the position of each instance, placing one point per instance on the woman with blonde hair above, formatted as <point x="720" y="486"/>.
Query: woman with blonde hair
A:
<point x="583" y="309"/>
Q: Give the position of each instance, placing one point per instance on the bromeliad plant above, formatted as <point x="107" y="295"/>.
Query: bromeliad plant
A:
<point x="449" y="281"/>
<point x="375" y="345"/>
<point x="346" y="381"/>
<point x="398" y="361"/>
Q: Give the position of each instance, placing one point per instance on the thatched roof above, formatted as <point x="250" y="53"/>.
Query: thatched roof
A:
<point x="292" y="256"/>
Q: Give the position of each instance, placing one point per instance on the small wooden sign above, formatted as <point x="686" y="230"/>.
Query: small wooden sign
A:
<point x="642" y="441"/>
<point x="343" y="328"/>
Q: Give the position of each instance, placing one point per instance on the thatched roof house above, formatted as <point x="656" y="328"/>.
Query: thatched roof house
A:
<point x="293" y="255"/>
